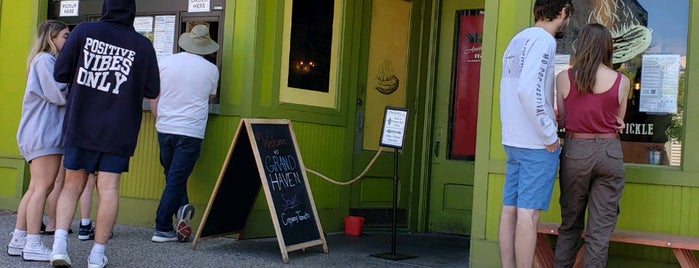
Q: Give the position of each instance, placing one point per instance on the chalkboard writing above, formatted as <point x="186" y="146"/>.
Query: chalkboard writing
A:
<point x="286" y="183"/>
<point x="264" y="153"/>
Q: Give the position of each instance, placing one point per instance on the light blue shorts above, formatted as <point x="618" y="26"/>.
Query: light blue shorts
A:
<point x="529" y="176"/>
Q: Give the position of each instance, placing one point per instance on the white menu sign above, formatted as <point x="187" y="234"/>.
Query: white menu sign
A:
<point x="659" y="83"/>
<point x="164" y="35"/>
<point x="394" y="123"/>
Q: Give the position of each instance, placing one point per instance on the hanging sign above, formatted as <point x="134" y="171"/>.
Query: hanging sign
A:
<point x="393" y="130"/>
<point x="69" y="9"/>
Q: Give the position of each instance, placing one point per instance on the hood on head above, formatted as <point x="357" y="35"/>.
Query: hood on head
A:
<point x="121" y="12"/>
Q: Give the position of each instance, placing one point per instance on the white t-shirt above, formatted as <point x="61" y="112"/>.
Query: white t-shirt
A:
<point x="186" y="81"/>
<point x="526" y="90"/>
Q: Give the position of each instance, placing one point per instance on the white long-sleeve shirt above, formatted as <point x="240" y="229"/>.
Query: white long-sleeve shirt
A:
<point x="526" y="90"/>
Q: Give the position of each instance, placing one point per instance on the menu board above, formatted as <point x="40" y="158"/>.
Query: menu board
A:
<point x="659" y="83"/>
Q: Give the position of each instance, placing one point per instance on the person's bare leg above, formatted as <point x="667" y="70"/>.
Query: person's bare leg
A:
<point x="525" y="236"/>
<point x="506" y="236"/>
<point x="86" y="197"/>
<point x="43" y="172"/>
<point x="68" y="200"/>
<point x="21" y="222"/>
<point x="107" y="205"/>
<point x="65" y="211"/>
<point x="52" y="200"/>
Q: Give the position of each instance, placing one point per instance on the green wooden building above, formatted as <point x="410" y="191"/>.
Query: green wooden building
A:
<point x="440" y="59"/>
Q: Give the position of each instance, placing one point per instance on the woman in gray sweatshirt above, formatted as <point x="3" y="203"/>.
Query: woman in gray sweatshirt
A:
<point x="40" y="138"/>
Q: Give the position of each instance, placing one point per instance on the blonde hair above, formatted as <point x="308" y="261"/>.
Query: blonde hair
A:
<point x="42" y="42"/>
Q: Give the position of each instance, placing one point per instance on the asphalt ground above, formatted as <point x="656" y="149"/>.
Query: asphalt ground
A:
<point x="131" y="247"/>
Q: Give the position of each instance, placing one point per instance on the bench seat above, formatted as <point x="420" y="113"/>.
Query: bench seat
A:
<point x="682" y="246"/>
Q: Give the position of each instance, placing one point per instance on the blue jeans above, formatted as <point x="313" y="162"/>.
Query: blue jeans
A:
<point x="178" y="154"/>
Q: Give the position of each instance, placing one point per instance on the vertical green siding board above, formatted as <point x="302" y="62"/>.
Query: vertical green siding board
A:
<point x="14" y="44"/>
<point x="690" y="144"/>
<point x="318" y="145"/>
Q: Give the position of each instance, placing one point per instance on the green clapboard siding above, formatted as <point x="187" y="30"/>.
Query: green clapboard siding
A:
<point x="321" y="146"/>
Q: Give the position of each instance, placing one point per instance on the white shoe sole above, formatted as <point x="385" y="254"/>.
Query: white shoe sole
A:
<point x="91" y="265"/>
<point x="159" y="239"/>
<point x="13" y="251"/>
<point x="60" y="260"/>
<point x="27" y="256"/>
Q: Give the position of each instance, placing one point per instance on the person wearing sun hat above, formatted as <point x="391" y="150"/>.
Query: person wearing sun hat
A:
<point x="188" y="83"/>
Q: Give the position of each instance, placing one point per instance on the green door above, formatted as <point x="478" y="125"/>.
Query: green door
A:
<point x="385" y="85"/>
<point x="456" y="95"/>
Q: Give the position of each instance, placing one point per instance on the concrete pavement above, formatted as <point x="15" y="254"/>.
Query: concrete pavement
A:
<point x="131" y="247"/>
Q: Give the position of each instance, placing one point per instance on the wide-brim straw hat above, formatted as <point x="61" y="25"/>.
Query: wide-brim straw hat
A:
<point x="198" y="41"/>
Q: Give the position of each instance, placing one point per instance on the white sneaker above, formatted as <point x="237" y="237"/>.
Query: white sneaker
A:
<point x="16" y="245"/>
<point x="36" y="252"/>
<point x="92" y="265"/>
<point x="60" y="260"/>
<point x="160" y="237"/>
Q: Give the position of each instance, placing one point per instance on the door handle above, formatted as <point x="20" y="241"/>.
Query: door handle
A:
<point x="436" y="149"/>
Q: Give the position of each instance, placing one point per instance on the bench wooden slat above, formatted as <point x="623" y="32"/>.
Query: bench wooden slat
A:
<point x="657" y="240"/>
<point x="682" y="246"/>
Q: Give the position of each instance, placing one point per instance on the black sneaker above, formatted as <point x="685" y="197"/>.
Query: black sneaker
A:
<point x="86" y="232"/>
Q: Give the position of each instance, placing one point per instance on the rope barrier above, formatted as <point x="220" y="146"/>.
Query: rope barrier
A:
<point x="353" y="180"/>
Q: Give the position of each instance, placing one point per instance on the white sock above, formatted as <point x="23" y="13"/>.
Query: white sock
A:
<point x="97" y="254"/>
<point x="60" y="242"/>
<point x="33" y="239"/>
<point x="84" y="222"/>
<point x="19" y="233"/>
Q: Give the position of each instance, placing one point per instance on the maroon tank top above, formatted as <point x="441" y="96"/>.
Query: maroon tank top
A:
<point x="592" y="112"/>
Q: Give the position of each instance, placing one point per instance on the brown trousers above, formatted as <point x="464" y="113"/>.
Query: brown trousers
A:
<point x="591" y="176"/>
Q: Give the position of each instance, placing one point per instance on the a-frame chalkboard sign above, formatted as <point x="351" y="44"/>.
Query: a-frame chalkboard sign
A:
<point x="264" y="153"/>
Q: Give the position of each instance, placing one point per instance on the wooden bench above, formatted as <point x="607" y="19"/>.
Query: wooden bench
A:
<point x="682" y="246"/>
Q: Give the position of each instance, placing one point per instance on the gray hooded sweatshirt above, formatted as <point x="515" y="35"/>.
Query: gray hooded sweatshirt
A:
<point x="43" y="108"/>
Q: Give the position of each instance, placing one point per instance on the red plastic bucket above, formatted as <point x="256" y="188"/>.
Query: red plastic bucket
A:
<point x="353" y="225"/>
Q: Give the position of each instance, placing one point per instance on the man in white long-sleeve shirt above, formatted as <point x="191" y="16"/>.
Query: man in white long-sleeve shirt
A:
<point x="529" y="130"/>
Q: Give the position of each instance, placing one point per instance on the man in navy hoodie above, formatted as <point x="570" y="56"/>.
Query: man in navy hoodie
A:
<point x="110" y="68"/>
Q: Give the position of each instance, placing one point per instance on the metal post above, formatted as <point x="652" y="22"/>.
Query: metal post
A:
<point x="393" y="255"/>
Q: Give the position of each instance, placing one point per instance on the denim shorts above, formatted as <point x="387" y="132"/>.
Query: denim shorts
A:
<point x="93" y="161"/>
<point x="529" y="177"/>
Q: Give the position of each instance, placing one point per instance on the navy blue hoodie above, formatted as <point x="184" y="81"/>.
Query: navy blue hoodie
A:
<point x="111" y="68"/>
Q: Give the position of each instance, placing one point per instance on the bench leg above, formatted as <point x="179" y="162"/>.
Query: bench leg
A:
<point x="685" y="258"/>
<point x="543" y="254"/>
<point x="579" y="257"/>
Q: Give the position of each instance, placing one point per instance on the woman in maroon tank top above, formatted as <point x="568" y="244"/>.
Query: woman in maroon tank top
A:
<point x="591" y="100"/>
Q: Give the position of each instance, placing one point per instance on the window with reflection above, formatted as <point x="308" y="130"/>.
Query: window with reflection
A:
<point x="650" y="47"/>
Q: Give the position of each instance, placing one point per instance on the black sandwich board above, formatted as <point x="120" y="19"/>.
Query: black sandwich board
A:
<point x="264" y="153"/>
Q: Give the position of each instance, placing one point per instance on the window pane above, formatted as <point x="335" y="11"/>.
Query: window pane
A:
<point x="650" y="47"/>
